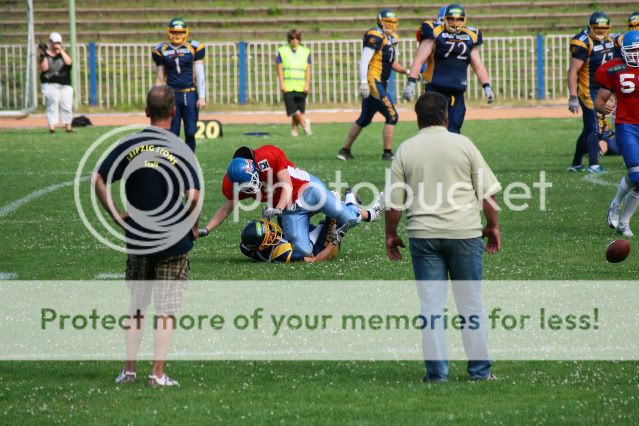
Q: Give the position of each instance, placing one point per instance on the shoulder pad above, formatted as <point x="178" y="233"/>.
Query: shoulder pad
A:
<point x="159" y="46"/>
<point x="473" y="29"/>
<point x="194" y="43"/>
<point x="375" y="32"/>
<point x="429" y="23"/>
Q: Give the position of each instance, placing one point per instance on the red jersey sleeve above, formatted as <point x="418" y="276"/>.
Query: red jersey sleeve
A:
<point x="227" y="190"/>
<point x="604" y="78"/>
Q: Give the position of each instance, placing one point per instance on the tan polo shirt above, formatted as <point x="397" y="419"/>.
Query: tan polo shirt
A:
<point x="446" y="175"/>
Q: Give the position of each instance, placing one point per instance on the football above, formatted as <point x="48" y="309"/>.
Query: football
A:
<point x="617" y="251"/>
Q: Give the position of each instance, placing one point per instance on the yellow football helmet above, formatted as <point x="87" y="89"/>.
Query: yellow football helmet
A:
<point x="178" y="31"/>
<point x="454" y="18"/>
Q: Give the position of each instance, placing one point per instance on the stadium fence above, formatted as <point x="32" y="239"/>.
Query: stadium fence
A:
<point x="117" y="75"/>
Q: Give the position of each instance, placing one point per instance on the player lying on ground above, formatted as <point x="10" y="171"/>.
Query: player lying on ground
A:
<point x="267" y="175"/>
<point x="621" y="77"/>
<point x="263" y="241"/>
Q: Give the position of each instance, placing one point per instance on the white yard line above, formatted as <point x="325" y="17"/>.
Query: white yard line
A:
<point x="109" y="276"/>
<point x="8" y="276"/>
<point x="593" y="178"/>
<point x="10" y="208"/>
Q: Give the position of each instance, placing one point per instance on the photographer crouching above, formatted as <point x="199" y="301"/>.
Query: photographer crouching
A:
<point x="55" y="76"/>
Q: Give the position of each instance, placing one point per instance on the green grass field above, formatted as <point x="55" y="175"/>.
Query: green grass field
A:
<point x="44" y="239"/>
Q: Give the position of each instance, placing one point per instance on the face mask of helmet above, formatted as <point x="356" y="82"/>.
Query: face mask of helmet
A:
<point x="630" y="48"/>
<point x="599" y="32"/>
<point x="633" y="22"/>
<point x="253" y="186"/>
<point x="260" y="234"/>
<point x="177" y="37"/>
<point x="387" y="21"/>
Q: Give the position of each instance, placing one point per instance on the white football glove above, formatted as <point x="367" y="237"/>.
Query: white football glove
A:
<point x="573" y="104"/>
<point x="409" y="90"/>
<point x="488" y="92"/>
<point x="364" y="89"/>
<point x="270" y="212"/>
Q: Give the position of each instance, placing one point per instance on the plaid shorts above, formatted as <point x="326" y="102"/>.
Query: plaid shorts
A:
<point x="164" y="277"/>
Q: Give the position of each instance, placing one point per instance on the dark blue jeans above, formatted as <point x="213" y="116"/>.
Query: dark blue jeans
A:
<point x="434" y="262"/>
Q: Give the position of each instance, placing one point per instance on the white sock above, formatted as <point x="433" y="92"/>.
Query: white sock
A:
<point x="630" y="206"/>
<point x="372" y="215"/>
<point x="622" y="191"/>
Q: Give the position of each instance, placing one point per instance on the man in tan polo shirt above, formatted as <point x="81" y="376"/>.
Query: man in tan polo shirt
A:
<point x="442" y="181"/>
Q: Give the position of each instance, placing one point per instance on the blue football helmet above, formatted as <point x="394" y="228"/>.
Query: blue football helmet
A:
<point x="457" y="16"/>
<point x="630" y="48"/>
<point x="387" y="20"/>
<point x="599" y="26"/>
<point x="243" y="172"/>
<point x="440" y="15"/>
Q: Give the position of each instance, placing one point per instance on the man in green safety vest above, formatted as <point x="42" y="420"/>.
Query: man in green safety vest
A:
<point x="294" y="72"/>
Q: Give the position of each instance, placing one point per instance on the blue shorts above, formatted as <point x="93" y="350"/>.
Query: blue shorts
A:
<point x="378" y="101"/>
<point x="628" y="141"/>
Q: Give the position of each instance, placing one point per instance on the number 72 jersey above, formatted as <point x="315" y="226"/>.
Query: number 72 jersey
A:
<point x="447" y="66"/>
<point x="623" y="81"/>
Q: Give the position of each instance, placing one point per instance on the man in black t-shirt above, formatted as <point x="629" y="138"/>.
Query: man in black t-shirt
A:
<point x="55" y="76"/>
<point x="157" y="171"/>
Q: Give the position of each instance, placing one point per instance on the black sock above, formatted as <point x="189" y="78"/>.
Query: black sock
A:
<point x="346" y="149"/>
<point x="388" y="151"/>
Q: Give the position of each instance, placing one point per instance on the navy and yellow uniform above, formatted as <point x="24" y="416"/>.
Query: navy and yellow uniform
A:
<point x="593" y="53"/>
<point x="379" y="71"/>
<point x="282" y="251"/>
<point x="179" y="66"/>
<point x="447" y="66"/>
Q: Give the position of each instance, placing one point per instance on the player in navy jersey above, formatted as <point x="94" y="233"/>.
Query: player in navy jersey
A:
<point x="378" y="60"/>
<point x="589" y="49"/>
<point x="633" y="25"/>
<point x="621" y="78"/>
<point x="447" y="49"/>
<point x="263" y="241"/>
<point x="180" y="65"/>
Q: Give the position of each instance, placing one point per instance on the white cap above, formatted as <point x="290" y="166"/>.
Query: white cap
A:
<point x="55" y="38"/>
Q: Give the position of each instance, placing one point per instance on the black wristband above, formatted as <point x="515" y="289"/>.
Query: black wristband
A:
<point x="412" y="80"/>
<point x="485" y="85"/>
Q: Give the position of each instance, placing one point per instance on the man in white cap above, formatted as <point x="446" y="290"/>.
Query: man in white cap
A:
<point x="55" y="76"/>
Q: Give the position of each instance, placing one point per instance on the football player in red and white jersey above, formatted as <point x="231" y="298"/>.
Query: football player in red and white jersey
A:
<point x="621" y="77"/>
<point x="267" y="175"/>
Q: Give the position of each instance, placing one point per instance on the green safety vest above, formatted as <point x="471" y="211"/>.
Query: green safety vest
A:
<point x="294" y="65"/>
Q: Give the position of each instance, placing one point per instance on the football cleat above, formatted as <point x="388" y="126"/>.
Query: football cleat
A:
<point x="596" y="169"/>
<point x="165" y="380"/>
<point x="388" y="156"/>
<point x="339" y="234"/>
<point x="578" y="168"/>
<point x="345" y="154"/>
<point x="294" y="133"/>
<point x="613" y="217"/>
<point x="624" y="229"/>
<point x="377" y="209"/>
<point x="126" y="377"/>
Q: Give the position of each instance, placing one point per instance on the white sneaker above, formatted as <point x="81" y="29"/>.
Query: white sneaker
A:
<point x="377" y="209"/>
<point x="307" y="127"/>
<point x="350" y="198"/>
<point x="126" y="377"/>
<point x="624" y="229"/>
<point x="294" y="133"/>
<point x="613" y="217"/>
<point x="162" y="381"/>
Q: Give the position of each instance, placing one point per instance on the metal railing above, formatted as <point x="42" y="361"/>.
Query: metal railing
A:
<point x="123" y="72"/>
